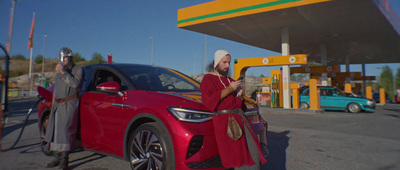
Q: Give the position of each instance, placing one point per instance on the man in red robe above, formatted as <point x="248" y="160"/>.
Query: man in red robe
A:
<point x="219" y="94"/>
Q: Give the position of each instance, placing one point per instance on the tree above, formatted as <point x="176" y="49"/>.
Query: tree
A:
<point x="18" y="57"/>
<point x="97" y="58"/>
<point x="39" y="59"/>
<point x="386" y="81"/>
<point x="397" y="79"/>
<point x="77" y="57"/>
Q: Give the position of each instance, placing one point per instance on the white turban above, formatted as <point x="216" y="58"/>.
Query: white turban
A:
<point x="219" y="54"/>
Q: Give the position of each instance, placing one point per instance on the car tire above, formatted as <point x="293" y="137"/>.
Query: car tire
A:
<point x="304" y="105"/>
<point x="45" y="146"/>
<point x="354" y="108"/>
<point x="150" y="148"/>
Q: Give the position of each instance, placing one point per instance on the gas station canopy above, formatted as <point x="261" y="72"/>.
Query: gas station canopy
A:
<point x="365" y="31"/>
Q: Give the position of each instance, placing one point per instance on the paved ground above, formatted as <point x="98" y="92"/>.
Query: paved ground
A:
<point x="329" y="140"/>
<point x="335" y="140"/>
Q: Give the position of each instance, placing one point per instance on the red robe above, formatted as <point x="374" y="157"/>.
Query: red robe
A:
<point x="232" y="153"/>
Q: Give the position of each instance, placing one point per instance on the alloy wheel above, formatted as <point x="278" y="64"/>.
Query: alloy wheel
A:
<point x="146" y="151"/>
<point x="354" y="108"/>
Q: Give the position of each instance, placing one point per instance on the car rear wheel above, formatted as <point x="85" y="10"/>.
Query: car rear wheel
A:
<point x="304" y="105"/>
<point x="354" y="108"/>
<point x="150" y="148"/>
<point x="45" y="146"/>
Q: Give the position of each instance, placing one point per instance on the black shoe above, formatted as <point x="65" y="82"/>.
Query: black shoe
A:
<point x="63" y="165"/>
<point x="264" y="149"/>
<point x="64" y="160"/>
<point x="55" y="162"/>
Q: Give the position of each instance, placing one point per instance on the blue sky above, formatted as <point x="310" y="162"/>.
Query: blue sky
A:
<point x="124" y="28"/>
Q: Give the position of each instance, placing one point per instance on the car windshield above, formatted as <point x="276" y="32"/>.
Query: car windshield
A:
<point x="160" y="79"/>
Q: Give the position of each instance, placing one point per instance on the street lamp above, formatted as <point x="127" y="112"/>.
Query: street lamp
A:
<point x="152" y="40"/>
<point x="44" y="43"/>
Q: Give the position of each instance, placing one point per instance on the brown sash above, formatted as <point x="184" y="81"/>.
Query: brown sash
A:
<point x="63" y="100"/>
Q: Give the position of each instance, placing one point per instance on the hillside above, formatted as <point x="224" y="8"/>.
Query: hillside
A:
<point x="19" y="77"/>
<point x="19" y="72"/>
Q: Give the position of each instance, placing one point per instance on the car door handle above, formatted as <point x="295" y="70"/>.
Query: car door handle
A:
<point x="86" y="103"/>
<point x="120" y="105"/>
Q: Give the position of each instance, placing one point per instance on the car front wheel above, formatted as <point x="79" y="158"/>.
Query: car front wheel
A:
<point x="354" y="108"/>
<point x="45" y="146"/>
<point x="150" y="148"/>
<point x="304" y="105"/>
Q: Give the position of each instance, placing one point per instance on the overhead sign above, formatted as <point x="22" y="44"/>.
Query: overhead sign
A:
<point x="242" y="64"/>
<point x="315" y="69"/>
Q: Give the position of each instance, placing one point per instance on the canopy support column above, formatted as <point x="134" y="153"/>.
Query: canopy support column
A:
<point x="347" y="63"/>
<point x="324" y="61"/>
<point x="286" y="69"/>
<point x="364" y="81"/>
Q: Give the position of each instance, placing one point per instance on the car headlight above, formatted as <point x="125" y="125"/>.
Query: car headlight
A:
<point x="188" y="115"/>
<point x="370" y="102"/>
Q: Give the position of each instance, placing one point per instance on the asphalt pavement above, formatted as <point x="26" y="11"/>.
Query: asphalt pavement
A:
<point x="296" y="140"/>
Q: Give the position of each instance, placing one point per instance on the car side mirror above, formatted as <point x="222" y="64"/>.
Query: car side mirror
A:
<point x="334" y="94"/>
<point x="110" y="87"/>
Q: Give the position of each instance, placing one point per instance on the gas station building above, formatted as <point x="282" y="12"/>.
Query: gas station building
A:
<point x="330" y="32"/>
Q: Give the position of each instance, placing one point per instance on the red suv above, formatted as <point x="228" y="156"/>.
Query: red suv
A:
<point x="151" y="116"/>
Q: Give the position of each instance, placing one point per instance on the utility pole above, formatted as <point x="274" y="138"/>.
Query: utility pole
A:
<point x="152" y="52"/>
<point x="44" y="43"/>
<point x="205" y="48"/>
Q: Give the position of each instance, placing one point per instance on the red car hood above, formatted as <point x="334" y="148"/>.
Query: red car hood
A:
<point x="192" y="96"/>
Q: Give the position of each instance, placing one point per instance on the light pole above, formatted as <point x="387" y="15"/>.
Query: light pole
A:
<point x="152" y="43"/>
<point x="44" y="44"/>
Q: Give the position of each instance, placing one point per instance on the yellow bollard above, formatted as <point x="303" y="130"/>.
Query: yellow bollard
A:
<point x="368" y="91"/>
<point x="382" y="96"/>
<point x="347" y="88"/>
<point x="315" y="103"/>
<point x="295" y="95"/>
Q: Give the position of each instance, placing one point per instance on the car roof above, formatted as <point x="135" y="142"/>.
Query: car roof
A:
<point x="121" y="65"/>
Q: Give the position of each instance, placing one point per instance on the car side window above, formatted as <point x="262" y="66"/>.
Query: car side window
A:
<point x="169" y="83"/>
<point x="326" y="92"/>
<point x="306" y="92"/>
<point x="87" y="81"/>
<point x="107" y="76"/>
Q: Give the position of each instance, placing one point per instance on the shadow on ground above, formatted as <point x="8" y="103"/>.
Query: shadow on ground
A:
<point x="277" y="145"/>
<point x="83" y="160"/>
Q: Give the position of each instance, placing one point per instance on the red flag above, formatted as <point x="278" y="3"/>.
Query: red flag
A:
<point x="30" y="42"/>
<point x="109" y="58"/>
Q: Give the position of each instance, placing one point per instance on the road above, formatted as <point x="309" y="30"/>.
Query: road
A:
<point x="329" y="140"/>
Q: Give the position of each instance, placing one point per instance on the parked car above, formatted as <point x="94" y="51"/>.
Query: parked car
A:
<point x="377" y="98"/>
<point x="151" y="116"/>
<point x="334" y="99"/>
<point x="396" y="99"/>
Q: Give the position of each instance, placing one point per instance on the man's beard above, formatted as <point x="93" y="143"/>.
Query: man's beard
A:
<point x="222" y="72"/>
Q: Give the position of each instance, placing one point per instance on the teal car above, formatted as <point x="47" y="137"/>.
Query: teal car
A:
<point x="334" y="99"/>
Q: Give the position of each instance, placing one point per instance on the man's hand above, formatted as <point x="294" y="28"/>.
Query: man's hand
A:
<point x="60" y="68"/>
<point x="240" y="93"/>
<point x="235" y="84"/>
